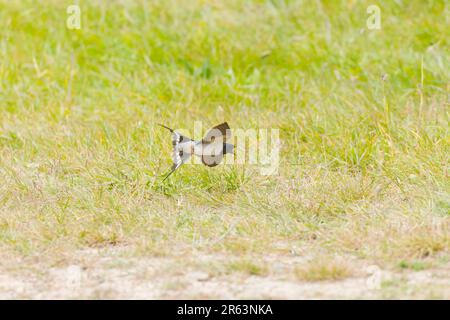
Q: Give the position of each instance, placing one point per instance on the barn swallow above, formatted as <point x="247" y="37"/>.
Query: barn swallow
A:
<point x="210" y="149"/>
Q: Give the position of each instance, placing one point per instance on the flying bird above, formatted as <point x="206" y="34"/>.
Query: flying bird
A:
<point x="210" y="149"/>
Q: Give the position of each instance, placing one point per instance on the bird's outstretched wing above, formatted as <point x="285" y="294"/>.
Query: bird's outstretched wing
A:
<point x="212" y="160"/>
<point x="176" y="137"/>
<point x="213" y="142"/>
<point x="217" y="133"/>
<point x="181" y="145"/>
<point x="178" y="160"/>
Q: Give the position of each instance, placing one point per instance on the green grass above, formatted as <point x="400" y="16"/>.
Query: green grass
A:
<point x="414" y="265"/>
<point x="363" y="118"/>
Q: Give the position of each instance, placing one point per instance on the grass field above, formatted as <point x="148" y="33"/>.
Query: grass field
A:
<point x="364" y="161"/>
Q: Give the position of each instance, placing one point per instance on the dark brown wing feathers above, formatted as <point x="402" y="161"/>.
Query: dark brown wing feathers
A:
<point x="214" y="133"/>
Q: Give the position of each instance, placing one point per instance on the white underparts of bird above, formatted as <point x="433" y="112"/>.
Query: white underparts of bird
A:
<point x="210" y="149"/>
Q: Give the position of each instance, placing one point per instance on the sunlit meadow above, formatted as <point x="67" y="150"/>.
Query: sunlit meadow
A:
<point x="363" y="116"/>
